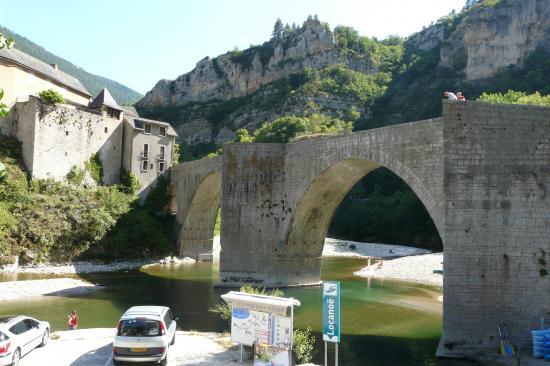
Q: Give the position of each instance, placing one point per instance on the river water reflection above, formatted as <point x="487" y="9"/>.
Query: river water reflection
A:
<point x="383" y="322"/>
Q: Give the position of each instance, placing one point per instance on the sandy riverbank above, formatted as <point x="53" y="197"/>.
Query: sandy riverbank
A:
<point x="93" y="347"/>
<point x="50" y="287"/>
<point x="416" y="268"/>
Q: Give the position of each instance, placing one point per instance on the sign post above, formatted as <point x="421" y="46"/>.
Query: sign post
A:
<point x="331" y="316"/>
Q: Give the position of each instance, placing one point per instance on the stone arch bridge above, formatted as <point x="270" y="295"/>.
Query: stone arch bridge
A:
<point x="482" y="172"/>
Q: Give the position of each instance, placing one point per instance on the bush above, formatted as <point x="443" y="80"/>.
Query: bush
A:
<point x="515" y="97"/>
<point x="304" y="343"/>
<point x="95" y="167"/>
<point x="51" y="96"/>
<point x="288" y="128"/>
<point x="129" y="183"/>
<point x="243" y="135"/>
<point x="159" y="197"/>
<point x="76" y="176"/>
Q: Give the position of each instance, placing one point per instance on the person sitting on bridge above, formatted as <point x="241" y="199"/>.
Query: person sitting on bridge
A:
<point x="450" y="95"/>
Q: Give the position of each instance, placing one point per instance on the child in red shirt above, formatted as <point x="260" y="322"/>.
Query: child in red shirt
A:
<point x="73" y="320"/>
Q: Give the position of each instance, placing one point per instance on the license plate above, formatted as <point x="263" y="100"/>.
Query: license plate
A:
<point x="139" y="349"/>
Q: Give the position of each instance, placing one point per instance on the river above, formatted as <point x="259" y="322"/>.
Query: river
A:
<point x="383" y="322"/>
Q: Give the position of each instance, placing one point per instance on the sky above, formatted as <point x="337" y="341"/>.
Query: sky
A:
<point x="138" y="42"/>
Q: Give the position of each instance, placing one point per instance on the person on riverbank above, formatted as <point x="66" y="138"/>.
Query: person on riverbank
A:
<point x="73" y="320"/>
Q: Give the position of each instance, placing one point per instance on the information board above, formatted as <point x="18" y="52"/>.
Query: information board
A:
<point x="331" y="312"/>
<point x="281" y="331"/>
<point x="249" y="327"/>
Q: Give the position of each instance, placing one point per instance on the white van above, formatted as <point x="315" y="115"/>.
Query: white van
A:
<point x="144" y="334"/>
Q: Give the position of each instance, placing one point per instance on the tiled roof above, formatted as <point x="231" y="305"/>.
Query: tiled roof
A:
<point x="130" y="111"/>
<point x="132" y="122"/>
<point x="20" y="58"/>
<point x="104" y="98"/>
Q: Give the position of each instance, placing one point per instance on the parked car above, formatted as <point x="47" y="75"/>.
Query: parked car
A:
<point x="19" y="335"/>
<point x="144" y="334"/>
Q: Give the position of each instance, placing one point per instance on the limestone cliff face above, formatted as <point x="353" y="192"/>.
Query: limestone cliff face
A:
<point x="240" y="73"/>
<point x="491" y="38"/>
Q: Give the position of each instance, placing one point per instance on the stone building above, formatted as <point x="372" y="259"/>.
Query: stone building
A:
<point x="58" y="137"/>
<point x="148" y="148"/>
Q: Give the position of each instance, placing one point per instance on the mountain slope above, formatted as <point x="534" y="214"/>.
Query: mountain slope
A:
<point x="93" y="83"/>
<point x="491" y="46"/>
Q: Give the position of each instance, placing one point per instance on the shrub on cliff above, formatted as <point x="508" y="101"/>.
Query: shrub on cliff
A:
<point x="515" y="97"/>
<point x="289" y="128"/>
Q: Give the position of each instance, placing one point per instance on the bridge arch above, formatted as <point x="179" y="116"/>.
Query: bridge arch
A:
<point x="197" y="191"/>
<point x="197" y="233"/>
<point x="314" y="212"/>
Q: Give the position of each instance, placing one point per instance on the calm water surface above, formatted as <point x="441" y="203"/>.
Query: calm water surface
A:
<point x="384" y="323"/>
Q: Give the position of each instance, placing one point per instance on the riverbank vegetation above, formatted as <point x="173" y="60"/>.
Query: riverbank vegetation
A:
<point x="47" y="221"/>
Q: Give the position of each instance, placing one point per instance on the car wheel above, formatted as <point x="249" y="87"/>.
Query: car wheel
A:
<point x="16" y="357"/>
<point x="164" y="361"/>
<point x="116" y="363"/>
<point x="45" y="338"/>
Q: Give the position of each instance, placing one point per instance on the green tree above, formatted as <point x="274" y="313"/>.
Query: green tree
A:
<point x="278" y="30"/>
<point x="3" y="107"/>
<point x="243" y="135"/>
<point x="281" y="130"/>
<point x="6" y="42"/>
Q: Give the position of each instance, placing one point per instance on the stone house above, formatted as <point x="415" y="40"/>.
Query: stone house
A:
<point x="57" y="137"/>
<point x="148" y="148"/>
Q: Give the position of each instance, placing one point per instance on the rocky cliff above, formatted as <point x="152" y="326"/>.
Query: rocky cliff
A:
<point x="493" y="37"/>
<point x="239" y="73"/>
<point x="465" y="51"/>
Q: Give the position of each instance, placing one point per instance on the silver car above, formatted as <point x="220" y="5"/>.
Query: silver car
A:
<point x="19" y="335"/>
<point x="144" y="334"/>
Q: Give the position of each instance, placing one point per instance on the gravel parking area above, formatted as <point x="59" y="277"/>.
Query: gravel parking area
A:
<point x="93" y="347"/>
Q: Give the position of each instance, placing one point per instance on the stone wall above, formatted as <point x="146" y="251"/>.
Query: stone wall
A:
<point x="497" y="222"/>
<point x="57" y="137"/>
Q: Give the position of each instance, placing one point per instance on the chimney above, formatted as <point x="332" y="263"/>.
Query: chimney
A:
<point x="55" y="66"/>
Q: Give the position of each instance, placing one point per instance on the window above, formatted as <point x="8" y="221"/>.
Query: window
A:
<point x="19" y="328"/>
<point x="138" y="124"/>
<point x="152" y="166"/>
<point x="162" y="131"/>
<point x="66" y="133"/>
<point x="144" y="166"/>
<point x="147" y="128"/>
<point x="106" y="129"/>
<point x="162" y="154"/>
<point x="161" y="166"/>
<point x="113" y="113"/>
<point x="145" y="150"/>
<point x="139" y="327"/>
